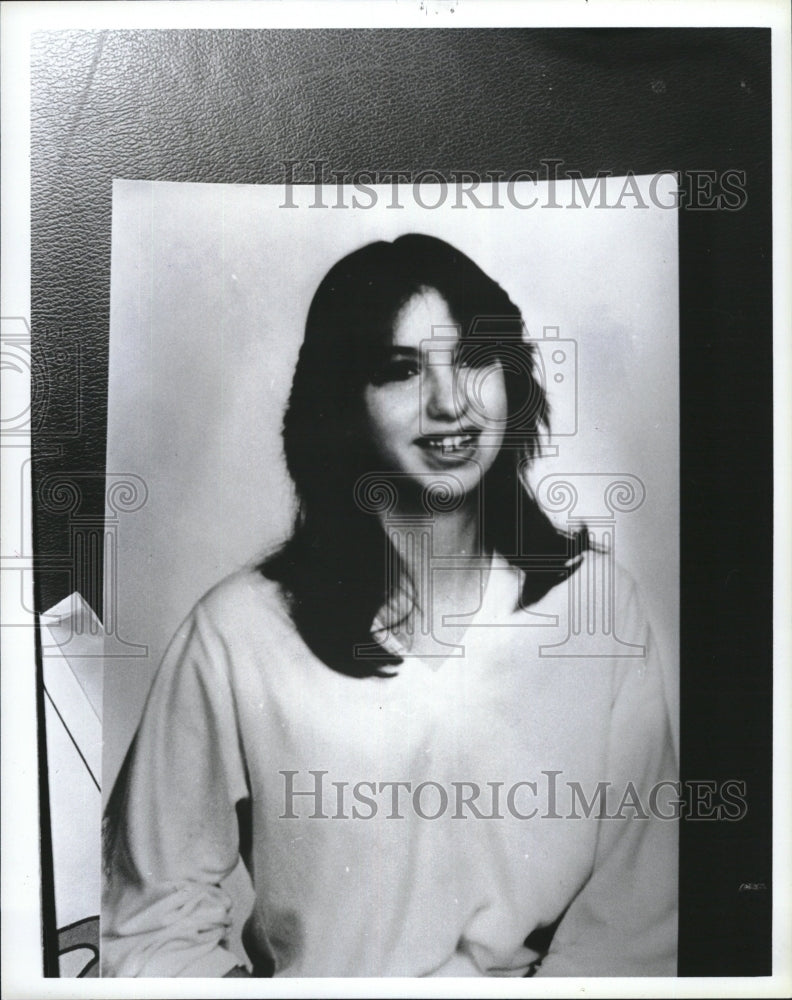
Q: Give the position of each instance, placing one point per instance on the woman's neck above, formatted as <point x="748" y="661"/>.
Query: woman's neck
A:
<point x="452" y="533"/>
<point x="441" y="570"/>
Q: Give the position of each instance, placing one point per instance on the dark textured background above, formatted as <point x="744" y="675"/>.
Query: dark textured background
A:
<point x="230" y="106"/>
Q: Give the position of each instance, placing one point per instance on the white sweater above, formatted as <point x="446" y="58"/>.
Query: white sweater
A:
<point x="241" y="710"/>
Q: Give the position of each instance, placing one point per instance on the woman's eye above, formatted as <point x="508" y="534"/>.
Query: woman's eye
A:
<point x="396" y="371"/>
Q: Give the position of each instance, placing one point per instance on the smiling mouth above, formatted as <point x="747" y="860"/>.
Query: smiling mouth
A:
<point x="449" y="444"/>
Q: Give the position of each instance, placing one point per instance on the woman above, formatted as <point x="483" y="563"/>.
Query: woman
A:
<point x="379" y="718"/>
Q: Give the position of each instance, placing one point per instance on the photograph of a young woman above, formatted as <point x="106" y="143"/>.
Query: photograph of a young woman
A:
<point x="369" y="717"/>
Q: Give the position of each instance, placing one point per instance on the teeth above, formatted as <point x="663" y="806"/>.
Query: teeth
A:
<point x="451" y="443"/>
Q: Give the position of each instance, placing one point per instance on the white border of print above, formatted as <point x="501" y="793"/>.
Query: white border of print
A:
<point x="21" y="946"/>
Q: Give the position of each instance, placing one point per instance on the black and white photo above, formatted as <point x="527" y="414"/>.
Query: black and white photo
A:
<point x="424" y="706"/>
<point x="395" y="569"/>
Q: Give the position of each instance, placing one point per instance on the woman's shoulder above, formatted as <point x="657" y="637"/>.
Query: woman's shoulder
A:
<point x="600" y="567"/>
<point x="241" y="599"/>
<point x="596" y="583"/>
<point x="595" y="569"/>
<point x="235" y="623"/>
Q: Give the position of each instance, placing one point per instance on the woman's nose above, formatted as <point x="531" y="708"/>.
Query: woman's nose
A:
<point x="441" y="401"/>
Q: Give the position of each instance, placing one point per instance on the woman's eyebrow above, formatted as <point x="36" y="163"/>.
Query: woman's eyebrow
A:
<point x="401" y="350"/>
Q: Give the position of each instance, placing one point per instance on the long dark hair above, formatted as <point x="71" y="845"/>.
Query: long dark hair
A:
<point x="334" y="567"/>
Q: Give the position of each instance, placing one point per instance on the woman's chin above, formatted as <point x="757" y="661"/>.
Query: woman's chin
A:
<point x="442" y="490"/>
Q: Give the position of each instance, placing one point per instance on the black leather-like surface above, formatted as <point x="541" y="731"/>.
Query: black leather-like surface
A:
<point x="230" y="106"/>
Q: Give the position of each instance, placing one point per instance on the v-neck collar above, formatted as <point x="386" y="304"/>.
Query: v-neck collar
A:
<point x="498" y="600"/>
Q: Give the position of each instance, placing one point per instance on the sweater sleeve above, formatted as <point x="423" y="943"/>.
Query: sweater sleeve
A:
<point x="171" y="830"/>
<point x="623" y="922"/>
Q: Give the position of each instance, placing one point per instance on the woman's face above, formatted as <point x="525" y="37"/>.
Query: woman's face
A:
<point x="427" y="411"/>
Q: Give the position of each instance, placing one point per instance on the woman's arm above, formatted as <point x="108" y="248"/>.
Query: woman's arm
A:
<point x="623" y="922"/>
<point x="171" y="830"/>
